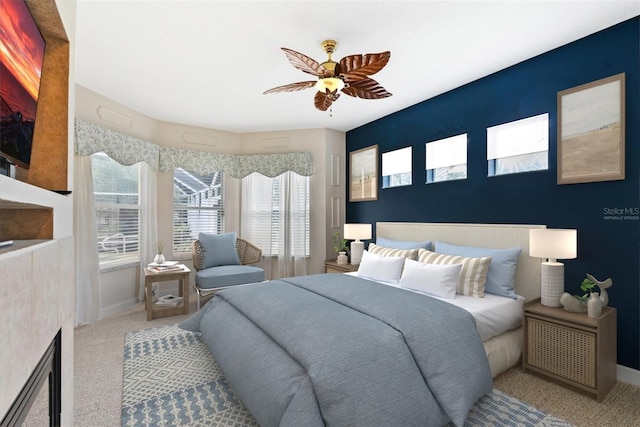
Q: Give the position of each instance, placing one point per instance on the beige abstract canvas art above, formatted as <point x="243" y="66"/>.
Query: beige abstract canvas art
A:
<point x="363" y="175"/>
<point x="591" y="132"/>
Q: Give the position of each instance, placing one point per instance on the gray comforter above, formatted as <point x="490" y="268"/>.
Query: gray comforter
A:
<point x="339" y="350"/>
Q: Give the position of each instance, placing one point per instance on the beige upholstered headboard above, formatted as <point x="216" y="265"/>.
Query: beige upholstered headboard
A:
<point x="480" y="235"/>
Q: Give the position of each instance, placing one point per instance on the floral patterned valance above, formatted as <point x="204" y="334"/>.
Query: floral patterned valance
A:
<point x="128" y="150"/>
<point x="124" y="149"/>
<point x="200" y="162"/>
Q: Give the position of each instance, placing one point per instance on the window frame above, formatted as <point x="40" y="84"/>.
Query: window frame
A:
<point x="399" y="177"/>
<point x="432" y="173"/>
<point x="219" y="225"/>
<point x="519" y="154"/>
<point x="115" y="262"/>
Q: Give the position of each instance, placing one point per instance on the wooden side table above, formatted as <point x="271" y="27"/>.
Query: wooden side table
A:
<point x="571" y="348"/>
<point x="155" y="311"/>
<point x="332" y="266"/>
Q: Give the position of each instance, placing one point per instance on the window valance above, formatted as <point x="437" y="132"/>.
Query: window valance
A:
<point x="128" y="150"/>
<point x="124" y="149"/>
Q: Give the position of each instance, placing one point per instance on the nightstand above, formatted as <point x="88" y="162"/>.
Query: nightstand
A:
<point x="332" y="266"/>
<point x="156" y="311"/>
<point x="571" y="348"/>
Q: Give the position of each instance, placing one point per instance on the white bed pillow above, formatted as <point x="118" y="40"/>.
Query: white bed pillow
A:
<point x="436" y="279"/>
<point x="473" y="275"/>
<point x="382" y="268"/>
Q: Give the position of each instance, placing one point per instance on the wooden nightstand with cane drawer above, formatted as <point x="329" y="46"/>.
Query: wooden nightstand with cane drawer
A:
<point x="571" y="348"/>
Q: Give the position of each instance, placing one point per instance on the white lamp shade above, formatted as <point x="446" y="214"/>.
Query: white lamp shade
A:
<point x="553" y="243"/>
<point x="357" y="231"/>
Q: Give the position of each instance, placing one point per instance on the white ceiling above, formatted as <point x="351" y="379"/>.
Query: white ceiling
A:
<point x="207" y="63"/>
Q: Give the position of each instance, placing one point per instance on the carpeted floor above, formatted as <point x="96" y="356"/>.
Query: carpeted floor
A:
<point x="99" y="359"/>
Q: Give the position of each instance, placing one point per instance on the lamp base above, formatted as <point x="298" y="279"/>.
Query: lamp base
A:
<point x="357" y="248"/>
<point x="551" y="283"/>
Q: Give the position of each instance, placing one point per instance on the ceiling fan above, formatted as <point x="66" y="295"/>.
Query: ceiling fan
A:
<point x="350" y="75"/>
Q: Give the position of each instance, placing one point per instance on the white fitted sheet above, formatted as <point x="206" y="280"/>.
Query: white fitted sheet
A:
<point x="493" y="314"/>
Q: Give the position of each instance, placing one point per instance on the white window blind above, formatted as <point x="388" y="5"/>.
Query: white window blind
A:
<point x="446" y="159"/>
<point x="530" y="135"/>
<point x="446" y="152"/>
<point x="518" y="146"/>
<point x="275" y="213"/>
<point x="197" y="207"/>
<point x="116" y="193"/>
<point x="396" y="167"/>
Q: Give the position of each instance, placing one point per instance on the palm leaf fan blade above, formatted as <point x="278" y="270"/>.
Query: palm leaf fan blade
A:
<point x="292" y="87"/>
<point x="323" y="101"/>
<point x="357" y="67"/>
<point x="303" y="62"/>
<point x="366" y="89"/>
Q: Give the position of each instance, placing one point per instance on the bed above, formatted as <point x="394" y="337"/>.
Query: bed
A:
<point x="333" y="349"/>
<point x="504" y="350"/>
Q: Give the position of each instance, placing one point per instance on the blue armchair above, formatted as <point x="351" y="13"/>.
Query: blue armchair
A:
<point x="221" y="261"/>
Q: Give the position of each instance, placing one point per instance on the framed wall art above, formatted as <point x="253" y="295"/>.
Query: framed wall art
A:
<point x="591" y="132"/>
<point x="363" y="174"/>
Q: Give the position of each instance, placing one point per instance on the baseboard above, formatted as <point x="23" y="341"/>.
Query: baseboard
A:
<point x="117" y="308"/>
<point x="628" y="375"/>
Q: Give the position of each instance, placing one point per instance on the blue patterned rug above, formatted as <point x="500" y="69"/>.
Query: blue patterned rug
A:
<point x="171" y="379"/>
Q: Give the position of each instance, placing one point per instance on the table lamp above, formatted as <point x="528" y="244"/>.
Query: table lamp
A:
<point x="356" y="232"/>
<point x="552" y="244"/>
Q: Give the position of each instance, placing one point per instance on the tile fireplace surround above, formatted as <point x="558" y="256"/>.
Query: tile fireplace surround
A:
<point x="46" y="377"/>
<point x="36" y="302"/>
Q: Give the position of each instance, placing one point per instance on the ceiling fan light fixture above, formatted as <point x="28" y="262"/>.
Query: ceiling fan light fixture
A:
<point x="330" y="83"/>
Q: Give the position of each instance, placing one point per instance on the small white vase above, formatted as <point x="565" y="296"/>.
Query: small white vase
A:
<point x="159" y="259"/>
<point x="594" y="305"/>
<point x="343" y="258"/>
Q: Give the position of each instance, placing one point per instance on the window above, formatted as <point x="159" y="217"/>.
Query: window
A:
<point x="446" y="159"/>
<point x="197" y="206"/>
<point x="275" y="213"/>
<point x="519" y="146"/>
<point x="396" y="168"/>
<point x="116" y="193"/>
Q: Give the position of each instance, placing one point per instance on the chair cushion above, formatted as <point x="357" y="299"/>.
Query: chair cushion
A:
<point x="228" y="275"/>
<point x="218" y="249"/>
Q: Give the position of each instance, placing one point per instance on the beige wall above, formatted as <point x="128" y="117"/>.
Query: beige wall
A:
<point x="326" y="146"/>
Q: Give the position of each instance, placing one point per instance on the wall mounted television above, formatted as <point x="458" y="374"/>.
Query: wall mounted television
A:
<point x="21" y="58"/>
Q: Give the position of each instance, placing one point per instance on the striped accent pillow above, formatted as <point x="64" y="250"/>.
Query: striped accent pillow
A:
<point x="383" y="251"/>
<point x="473" y="274"/>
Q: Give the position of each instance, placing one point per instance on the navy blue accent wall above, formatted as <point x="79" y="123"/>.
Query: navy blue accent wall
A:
<point x="606" y="247"/>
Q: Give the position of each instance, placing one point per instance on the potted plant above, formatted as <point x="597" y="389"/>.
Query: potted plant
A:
<point x="159" y="258"/>
<point x="340" y="246"/>
<point x="587" y="287"/>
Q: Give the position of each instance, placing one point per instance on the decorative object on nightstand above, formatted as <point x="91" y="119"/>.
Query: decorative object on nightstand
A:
<point x="340" y="246"/>
<point x="159" y="258"/>
<point x="552" y="244"/>
<point x="594" y="305"/>
<point x="578" y="304"/>
<point x="571" y="348"/>
<point x="604" y="285"/>
<point x="356" y="232"/>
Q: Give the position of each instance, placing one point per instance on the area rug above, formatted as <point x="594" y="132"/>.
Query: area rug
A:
<point x="171" y="379"/>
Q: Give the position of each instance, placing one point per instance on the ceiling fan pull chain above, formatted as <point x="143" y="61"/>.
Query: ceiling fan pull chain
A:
<point x="331" y="111"/>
